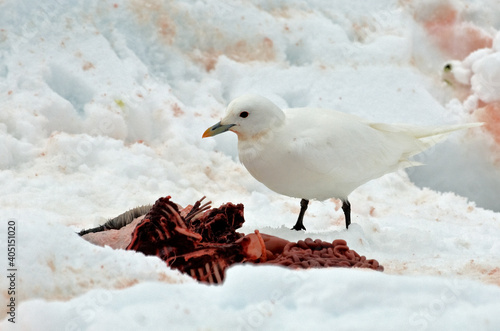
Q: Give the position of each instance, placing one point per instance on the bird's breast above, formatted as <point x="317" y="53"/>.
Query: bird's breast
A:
<point x="276" y="168"/>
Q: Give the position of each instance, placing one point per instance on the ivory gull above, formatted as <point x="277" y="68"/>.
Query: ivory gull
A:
<point x="312" y="153"/>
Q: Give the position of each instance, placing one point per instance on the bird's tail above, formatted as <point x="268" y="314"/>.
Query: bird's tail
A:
<point x="429" y="136"/>
<point x="426" y="137"/>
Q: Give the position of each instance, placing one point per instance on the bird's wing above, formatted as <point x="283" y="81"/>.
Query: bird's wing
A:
<point x="330" y="142"/>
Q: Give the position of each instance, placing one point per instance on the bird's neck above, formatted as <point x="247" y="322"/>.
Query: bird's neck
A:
<point x="250" y="147"/>
<point x="255" y="138"/>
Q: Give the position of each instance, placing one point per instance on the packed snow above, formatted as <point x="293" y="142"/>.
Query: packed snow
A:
<point x="102" y="108"/>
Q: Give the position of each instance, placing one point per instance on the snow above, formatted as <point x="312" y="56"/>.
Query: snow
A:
<point x="102" y="107"/>
<point x="270" y="304"/>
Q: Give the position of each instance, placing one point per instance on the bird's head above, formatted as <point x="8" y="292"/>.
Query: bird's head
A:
<point x="248" y="116"/>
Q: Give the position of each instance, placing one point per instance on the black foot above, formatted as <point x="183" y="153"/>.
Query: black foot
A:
<point x="346" y="207"/>
<point x="298" y="226"/>
<point x="303" y="207"/>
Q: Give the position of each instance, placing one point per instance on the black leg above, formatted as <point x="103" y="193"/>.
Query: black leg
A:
<point x="303" y="207"/>
<point x="346" y="207"/>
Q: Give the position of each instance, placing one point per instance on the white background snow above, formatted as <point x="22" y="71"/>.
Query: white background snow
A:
<point x="102" y="107"/>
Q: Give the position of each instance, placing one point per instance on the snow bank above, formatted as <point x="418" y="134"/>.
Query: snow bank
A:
<point x="279" y="299"/>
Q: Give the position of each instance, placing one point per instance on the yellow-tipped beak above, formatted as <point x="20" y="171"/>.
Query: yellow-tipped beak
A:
<point x="216" y="129"/>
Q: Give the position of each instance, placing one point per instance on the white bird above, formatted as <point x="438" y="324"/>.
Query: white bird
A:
<point x="311" y="153"/>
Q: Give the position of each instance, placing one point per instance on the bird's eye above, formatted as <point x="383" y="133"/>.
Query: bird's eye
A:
<point x="448" y="67"/>
<point x="244" y="114"/>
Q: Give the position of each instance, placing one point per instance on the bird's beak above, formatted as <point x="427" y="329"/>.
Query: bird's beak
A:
<point x="216" y="129"/>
